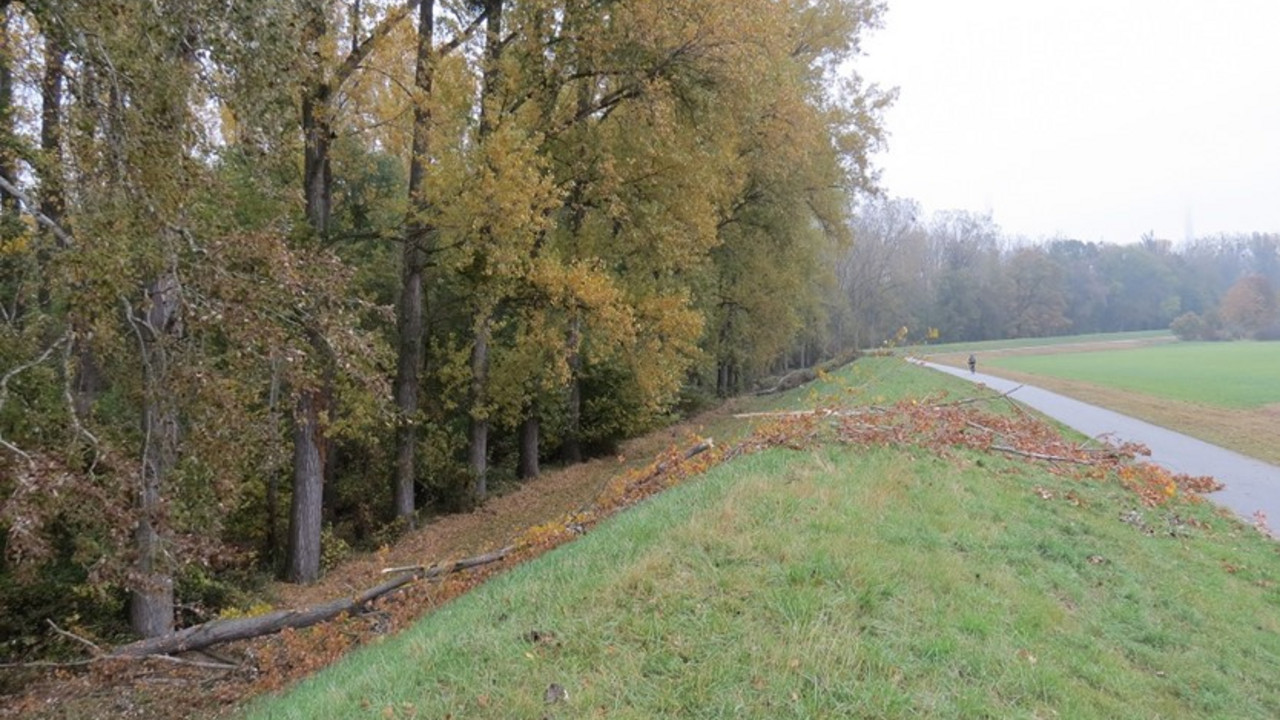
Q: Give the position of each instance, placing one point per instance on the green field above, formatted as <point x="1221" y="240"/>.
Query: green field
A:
<point x="1016" y="343"/>
<point x="1242" y="375"/>
<point x="843" y="582"/>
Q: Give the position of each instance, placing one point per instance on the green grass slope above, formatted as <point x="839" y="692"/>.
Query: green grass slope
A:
<point x="851" y="582"/>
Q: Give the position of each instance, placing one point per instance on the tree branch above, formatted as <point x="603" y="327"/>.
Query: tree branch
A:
<point x="32" y="209"/>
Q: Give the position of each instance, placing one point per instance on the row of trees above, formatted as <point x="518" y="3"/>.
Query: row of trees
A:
<point x="272" y="266"/>
<point x="956" y="272"/>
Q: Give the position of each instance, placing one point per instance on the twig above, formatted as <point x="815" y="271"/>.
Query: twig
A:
<point x="48" y="664"/>
<point x="83" y="641"/>
<point x="189" y="663"/>
<point x="980" y="398"/>
<point x="979" y="426"/>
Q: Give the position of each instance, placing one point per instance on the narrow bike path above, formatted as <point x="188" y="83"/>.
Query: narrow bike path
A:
<point x="1251" y="485"/>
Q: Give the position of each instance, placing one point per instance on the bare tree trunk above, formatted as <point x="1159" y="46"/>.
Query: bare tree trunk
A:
<point x="302" y="559"/>
<point x="529" y="430"/>
<point x="52" y="198"/>
<point x="151" y="602"/>
<point x="303" y="565"/>
<point x="272" y="550"/>
<point x="317" y="175"/>
<point x="573" y="431"/>
<point x="409" y="360"/>
<point x="8" y="202"/>
<point x="478" y="449"/>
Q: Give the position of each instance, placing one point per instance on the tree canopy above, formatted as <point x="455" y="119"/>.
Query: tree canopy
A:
<point x="278" y="278"/>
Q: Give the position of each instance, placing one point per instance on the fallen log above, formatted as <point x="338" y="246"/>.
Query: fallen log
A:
<point x="790" y="381"/>
<point x="216" y="632"/>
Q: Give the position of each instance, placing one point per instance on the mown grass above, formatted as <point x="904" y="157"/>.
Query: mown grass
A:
<point x="845" y="582"/>
<point x="1239" y="375"/>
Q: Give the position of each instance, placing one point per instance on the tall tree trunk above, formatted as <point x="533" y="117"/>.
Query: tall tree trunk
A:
<point x="529" y="430"/>
<point x="478" y="449"/>
<point x="274" y="469"/>
<point x="317" y="176"/>
<point x="151" y="602"/>
<point x="409" y="359"/>
<point x="52" y="197"/>
<point x="573" y="419"/>
<point x="303" y="564"/>
<point x="302" y="559"/>
<point x="8" y="141"/>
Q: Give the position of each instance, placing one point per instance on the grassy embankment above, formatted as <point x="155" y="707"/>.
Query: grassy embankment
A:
<point x="847" y="582"/>
<point x="1224" y="393"/>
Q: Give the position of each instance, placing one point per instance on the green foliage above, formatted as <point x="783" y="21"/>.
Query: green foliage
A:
<point x="635" y="165"/>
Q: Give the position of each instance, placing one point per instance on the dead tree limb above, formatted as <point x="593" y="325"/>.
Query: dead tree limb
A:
<point x="1040" y="456"/>
<point x="215" y="632"/>
<point x="980" y="398"/>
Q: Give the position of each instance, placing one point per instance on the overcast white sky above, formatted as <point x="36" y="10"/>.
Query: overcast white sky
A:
<point x="1091" y="119"/>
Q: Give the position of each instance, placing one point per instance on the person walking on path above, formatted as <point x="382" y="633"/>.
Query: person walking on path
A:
<point x="973" y="364"/>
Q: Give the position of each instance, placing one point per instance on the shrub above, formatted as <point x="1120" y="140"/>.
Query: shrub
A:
<point x="1189" y="326"/>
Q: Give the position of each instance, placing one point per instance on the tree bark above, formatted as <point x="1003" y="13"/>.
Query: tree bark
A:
<point x="409" y="359"/>
<point x="303" y="564"/>
<point x="529" y="430"/>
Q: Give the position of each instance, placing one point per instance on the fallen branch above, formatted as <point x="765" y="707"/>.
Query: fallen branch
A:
<point x="702" y="446"/>
<point x="869" y="410"/>
<point x="216" y="632"/>
<point x="980" y="398"/>
<point x="1040" y="456"/>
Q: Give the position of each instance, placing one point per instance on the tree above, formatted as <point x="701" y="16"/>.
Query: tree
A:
<point x="1249" y="307"/>
<point x="1037" y="296"/>
<point x="882" y="270"/>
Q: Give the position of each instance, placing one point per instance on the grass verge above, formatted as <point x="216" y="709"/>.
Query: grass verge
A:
<point x="851" y="582"/>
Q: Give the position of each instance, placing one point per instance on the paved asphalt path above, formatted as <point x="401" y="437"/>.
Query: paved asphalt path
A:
<point x="1251" y="485"/>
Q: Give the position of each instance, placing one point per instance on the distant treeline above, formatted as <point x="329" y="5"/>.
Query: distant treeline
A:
<point x="957" y="274"/>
